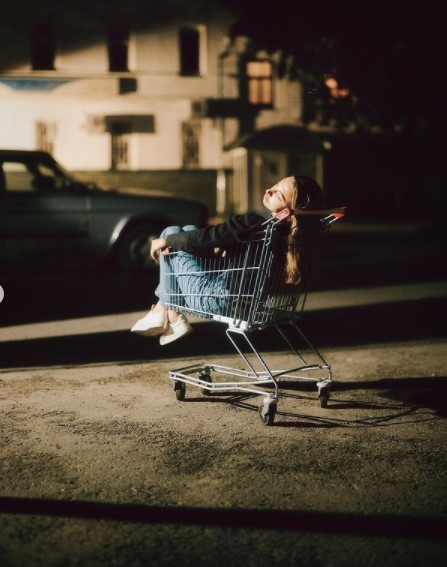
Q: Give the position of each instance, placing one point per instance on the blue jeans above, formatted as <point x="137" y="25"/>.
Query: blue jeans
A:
<point x="184" y="283"/>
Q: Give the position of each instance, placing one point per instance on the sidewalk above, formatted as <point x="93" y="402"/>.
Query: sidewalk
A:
<point x="316" y="301"/>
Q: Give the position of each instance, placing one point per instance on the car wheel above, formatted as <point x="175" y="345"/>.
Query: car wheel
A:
<point x="133" y="248"/>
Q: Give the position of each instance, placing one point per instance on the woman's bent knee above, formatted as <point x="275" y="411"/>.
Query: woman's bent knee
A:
<point x="190" y="227"/>
<point x="170" y="230"/>
<point x="176" y="229"/>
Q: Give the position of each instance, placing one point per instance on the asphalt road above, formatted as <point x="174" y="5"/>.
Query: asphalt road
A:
<point x="101" y="465"/>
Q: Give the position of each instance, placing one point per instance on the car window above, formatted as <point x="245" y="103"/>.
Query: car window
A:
<point x="25" y="177"/>
<point x="17" y="177"/>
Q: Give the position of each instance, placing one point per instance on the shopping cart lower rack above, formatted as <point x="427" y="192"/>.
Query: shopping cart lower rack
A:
<point x="252" y="297"/>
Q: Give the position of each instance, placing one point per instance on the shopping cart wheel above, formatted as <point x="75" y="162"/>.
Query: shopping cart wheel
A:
<point x="324" y="397"/>
<point x="206" y="378"/>
<point x="180" y="390"/>
<point x="267" y="413"/>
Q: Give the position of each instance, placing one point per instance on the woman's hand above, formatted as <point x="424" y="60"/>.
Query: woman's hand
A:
<point x="156" y="245"/>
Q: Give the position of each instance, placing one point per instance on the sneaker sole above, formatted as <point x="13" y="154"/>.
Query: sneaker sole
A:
<point x="166" y="339"/>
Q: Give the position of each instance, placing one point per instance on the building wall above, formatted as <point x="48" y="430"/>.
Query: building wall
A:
<point x="79" y="100"/>
<point x="81" y="91"/>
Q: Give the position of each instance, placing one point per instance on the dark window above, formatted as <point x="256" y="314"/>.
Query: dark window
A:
<point x="189" y="51"/>
<point x="118" y="47"/>
<point x="120" y="136"/>
<point x="191" y="132"/>
<point x="43" y="48"/>
<point x="127" y="85"/>
<point x="260" y="83"/>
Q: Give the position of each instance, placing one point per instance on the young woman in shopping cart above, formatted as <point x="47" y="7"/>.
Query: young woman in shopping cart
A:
<point x="292" y="193"/>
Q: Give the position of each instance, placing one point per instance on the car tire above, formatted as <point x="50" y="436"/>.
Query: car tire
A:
<point x="132" y="251"/>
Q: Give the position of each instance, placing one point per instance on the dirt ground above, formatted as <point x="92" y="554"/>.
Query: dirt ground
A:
<point x="101" y="465"/>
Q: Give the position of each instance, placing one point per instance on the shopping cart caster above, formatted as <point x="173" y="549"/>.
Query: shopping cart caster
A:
<point x="205" y="377"/>
<point x="180" y="390"/>
<point x="324" y="396"/>
<point x="267" y="412"/>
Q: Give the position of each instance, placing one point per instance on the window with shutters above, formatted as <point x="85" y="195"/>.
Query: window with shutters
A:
<point x="120" y="135"/>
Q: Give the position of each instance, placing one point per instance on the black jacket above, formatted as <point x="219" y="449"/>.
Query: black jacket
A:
<point x="224" y="234"/>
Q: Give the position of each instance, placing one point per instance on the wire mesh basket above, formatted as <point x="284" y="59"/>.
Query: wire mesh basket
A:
<point x="251" y="295"/>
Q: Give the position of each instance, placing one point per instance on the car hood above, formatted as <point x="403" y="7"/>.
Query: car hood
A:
<point x="147" y="202"/>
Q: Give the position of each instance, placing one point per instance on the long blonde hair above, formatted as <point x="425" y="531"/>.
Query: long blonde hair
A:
<point x="303" y="233"/>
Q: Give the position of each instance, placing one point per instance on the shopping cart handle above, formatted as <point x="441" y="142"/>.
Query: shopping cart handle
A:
<point x="334" y="215"/>
<point x="284" y="214"/>
<point x="338" y="212"/>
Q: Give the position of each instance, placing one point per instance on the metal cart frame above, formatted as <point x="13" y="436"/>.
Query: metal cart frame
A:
<point x="255" y="297"/>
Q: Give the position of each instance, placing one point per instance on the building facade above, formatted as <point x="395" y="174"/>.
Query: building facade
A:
<point x="140" y="102"/>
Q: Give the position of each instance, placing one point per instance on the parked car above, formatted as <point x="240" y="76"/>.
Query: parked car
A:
<point x="46" y="213"/>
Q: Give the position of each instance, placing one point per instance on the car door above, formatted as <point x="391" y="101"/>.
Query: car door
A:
<point x="40" y="220"/>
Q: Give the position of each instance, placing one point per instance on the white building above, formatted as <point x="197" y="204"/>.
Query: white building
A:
<point x="137" y="104"/>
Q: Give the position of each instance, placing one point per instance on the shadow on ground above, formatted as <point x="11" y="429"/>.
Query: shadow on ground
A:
<point x="408" y="394"/>
<point x="400" y="321"/>
<point x="291" y="521"/>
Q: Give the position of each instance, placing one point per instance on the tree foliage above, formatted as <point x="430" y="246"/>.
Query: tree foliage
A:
<point x="387" y="54"/>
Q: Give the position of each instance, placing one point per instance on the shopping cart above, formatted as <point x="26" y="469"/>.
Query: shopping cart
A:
<point x="253" y="297"/>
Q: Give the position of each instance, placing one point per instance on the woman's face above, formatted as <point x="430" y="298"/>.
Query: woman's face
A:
<point x="281" y="195"/>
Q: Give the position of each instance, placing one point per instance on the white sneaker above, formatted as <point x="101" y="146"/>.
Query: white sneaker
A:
<point x="152" y="324"/>
<point x="176" y="330"/>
